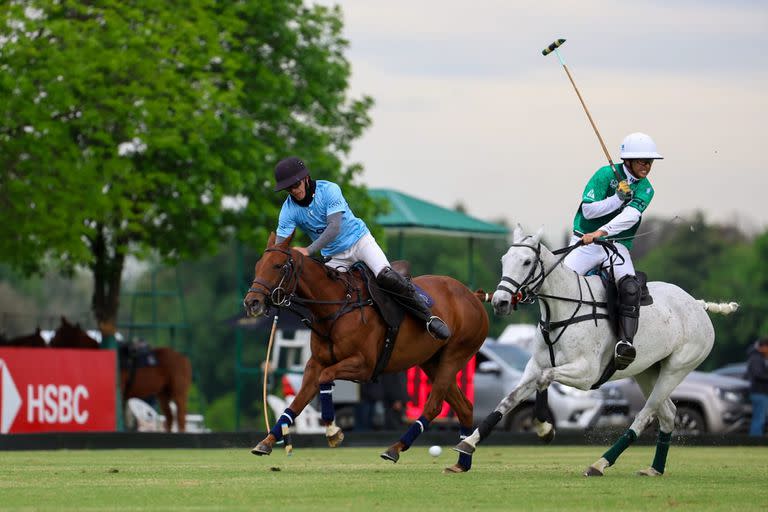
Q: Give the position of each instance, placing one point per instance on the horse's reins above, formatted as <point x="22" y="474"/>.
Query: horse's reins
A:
<point x="284" y="296"/>
<point x="527" y="293"/>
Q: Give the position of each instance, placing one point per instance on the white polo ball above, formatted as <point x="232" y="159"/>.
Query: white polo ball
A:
<point x="435" y="451"/>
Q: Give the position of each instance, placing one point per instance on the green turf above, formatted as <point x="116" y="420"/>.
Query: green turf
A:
<point x="535" y="478"/>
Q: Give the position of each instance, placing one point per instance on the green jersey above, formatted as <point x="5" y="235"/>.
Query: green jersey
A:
<point x="603" y="185"/>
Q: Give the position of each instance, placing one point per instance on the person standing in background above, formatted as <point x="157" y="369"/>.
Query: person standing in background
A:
<point x="757" y="375"/>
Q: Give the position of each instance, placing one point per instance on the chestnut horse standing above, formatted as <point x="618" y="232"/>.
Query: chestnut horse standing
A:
<point x="348" y="334"/>
<point x="169" y="380"/>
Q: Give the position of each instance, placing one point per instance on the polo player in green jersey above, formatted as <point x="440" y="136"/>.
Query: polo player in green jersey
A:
<point x="612" y="209"/>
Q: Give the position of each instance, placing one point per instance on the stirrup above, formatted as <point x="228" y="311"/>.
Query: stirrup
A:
<point x="440" y="330"/>
<point x="623" y="354"/>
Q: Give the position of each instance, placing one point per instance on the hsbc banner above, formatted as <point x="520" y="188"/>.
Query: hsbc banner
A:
<point x="56" y="390"/>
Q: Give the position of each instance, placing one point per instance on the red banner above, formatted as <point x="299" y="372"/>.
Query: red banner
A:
<point x="56" y="390"/>
<point x="419" y="387"/>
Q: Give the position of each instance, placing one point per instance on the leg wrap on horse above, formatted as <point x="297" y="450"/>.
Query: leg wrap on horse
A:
<point x="490" y="421"/>
<point x="414" y="431"/>
<point x="626" y="439"/>
<point x="327" y="412"/>
<point x="662" y="447"/>
<point x="541" y="407"/>
<point x="287" y="418"/>
<point x="403" y="291"/>
<point x="465" y="460"/>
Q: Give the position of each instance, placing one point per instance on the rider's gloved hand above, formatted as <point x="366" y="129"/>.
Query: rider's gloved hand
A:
<point x="624" y="192"/>
<point x="588" y="238"/>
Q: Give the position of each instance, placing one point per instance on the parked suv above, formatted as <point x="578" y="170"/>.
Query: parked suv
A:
<point x="707" y="403"/>
<point x="499" y="368"/>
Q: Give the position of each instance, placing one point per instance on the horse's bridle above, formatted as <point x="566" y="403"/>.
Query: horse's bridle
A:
<point x="282" y="293"/>
<point x="528" y="290"/>
<point x="525" y="291"/>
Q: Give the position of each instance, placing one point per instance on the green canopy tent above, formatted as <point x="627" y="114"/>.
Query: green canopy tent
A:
<point x="416" y="216"/>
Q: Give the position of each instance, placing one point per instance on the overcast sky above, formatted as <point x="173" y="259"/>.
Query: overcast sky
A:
<point x="468" y="110"/>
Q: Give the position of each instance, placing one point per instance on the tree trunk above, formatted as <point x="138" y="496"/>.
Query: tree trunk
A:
<point x="107" y="276"/>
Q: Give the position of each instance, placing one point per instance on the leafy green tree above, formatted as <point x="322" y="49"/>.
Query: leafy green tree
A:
<point x="126" y="125"/>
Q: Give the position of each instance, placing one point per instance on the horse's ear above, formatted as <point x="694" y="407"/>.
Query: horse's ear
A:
<point x="538" y="235"/>
<point x="64" y="321"/>
<point x="287" y="241"/>
<point x="271" y="240"/>
<point x="517" y="234"/>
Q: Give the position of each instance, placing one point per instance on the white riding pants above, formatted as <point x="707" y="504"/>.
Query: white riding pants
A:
<point x="586" y="257"/>
<point x="367" y="250"/>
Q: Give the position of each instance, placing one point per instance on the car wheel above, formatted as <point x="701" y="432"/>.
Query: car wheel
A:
<point x="520" y="419"/>
<point x="689" y="421"/>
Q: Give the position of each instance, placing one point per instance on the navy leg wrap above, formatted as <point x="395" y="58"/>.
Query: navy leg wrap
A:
<point x="465" y="460"/>
<point x="541" y="407"/>
<point x="326" y="402"/>
<point x="414" y="431"/>
<point x="286" y="418"/>
<point x="488" y="423"/>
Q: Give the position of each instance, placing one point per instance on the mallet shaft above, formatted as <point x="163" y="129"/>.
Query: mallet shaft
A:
<point x="592" y="122"/>
<point x="553" y="48"/>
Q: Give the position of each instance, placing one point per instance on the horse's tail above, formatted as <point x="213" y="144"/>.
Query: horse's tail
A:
<point x="483" y="296"/>
<point x="725" y="308"/>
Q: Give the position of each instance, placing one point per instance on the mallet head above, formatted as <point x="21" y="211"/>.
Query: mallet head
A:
<point x="554" y="46"/>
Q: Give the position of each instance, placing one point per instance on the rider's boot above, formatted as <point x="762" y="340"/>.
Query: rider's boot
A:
<point x="629" y="317"/>
<point x="403" y="291"/>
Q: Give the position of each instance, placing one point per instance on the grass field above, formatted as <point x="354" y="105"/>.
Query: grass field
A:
<point x="503" y="478"/>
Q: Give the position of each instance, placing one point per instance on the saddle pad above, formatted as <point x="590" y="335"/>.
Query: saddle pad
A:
<point x="424" y="295"/>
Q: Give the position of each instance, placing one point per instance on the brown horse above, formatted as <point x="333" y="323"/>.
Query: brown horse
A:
<point x="169" y="380"/>
<point x="72" y="336"/>
<point x="348" y="335"/>
<point x="35" y="340"/>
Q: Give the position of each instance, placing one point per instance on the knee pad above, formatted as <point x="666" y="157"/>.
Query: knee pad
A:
<point x="629" y="290"/>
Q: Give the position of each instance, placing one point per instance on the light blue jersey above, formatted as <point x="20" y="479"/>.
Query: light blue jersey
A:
<point x="313" y="219"/>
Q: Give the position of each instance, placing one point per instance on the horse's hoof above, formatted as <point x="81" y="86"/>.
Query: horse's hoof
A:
<point x="593" y="471"/>
<point x="336" y="439"/>
<point x="465" y="448"/>
<point x="391" y="454"/>
<point x="548" y="437"/>
<point x="261" y="449"/>
<point x="456" y="468"/>
<point x="649" y="472"/>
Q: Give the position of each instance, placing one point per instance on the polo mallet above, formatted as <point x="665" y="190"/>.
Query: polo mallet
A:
<point x="553" y="48"/>
<point x="285" y="428"/>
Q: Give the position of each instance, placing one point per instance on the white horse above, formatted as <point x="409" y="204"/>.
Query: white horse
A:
<point x="674" y="337"/>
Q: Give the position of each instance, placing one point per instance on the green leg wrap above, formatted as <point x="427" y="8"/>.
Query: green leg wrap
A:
<point x="626" y="439"/>
<point x="662" y="447"/>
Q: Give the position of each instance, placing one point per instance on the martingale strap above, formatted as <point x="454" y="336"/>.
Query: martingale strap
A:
<point x="546" y="325"/>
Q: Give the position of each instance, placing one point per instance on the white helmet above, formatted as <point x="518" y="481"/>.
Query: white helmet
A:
<point x="639" y="145"/>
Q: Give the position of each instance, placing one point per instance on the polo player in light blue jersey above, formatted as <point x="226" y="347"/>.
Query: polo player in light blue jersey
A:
<point x="320" y="210"/>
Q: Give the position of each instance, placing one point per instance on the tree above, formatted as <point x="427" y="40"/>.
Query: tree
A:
<point x="128" y="125"/>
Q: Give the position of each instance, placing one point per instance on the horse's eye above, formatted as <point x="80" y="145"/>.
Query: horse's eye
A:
<point x="277" y="267"/>
<point x="526" y="263"/>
